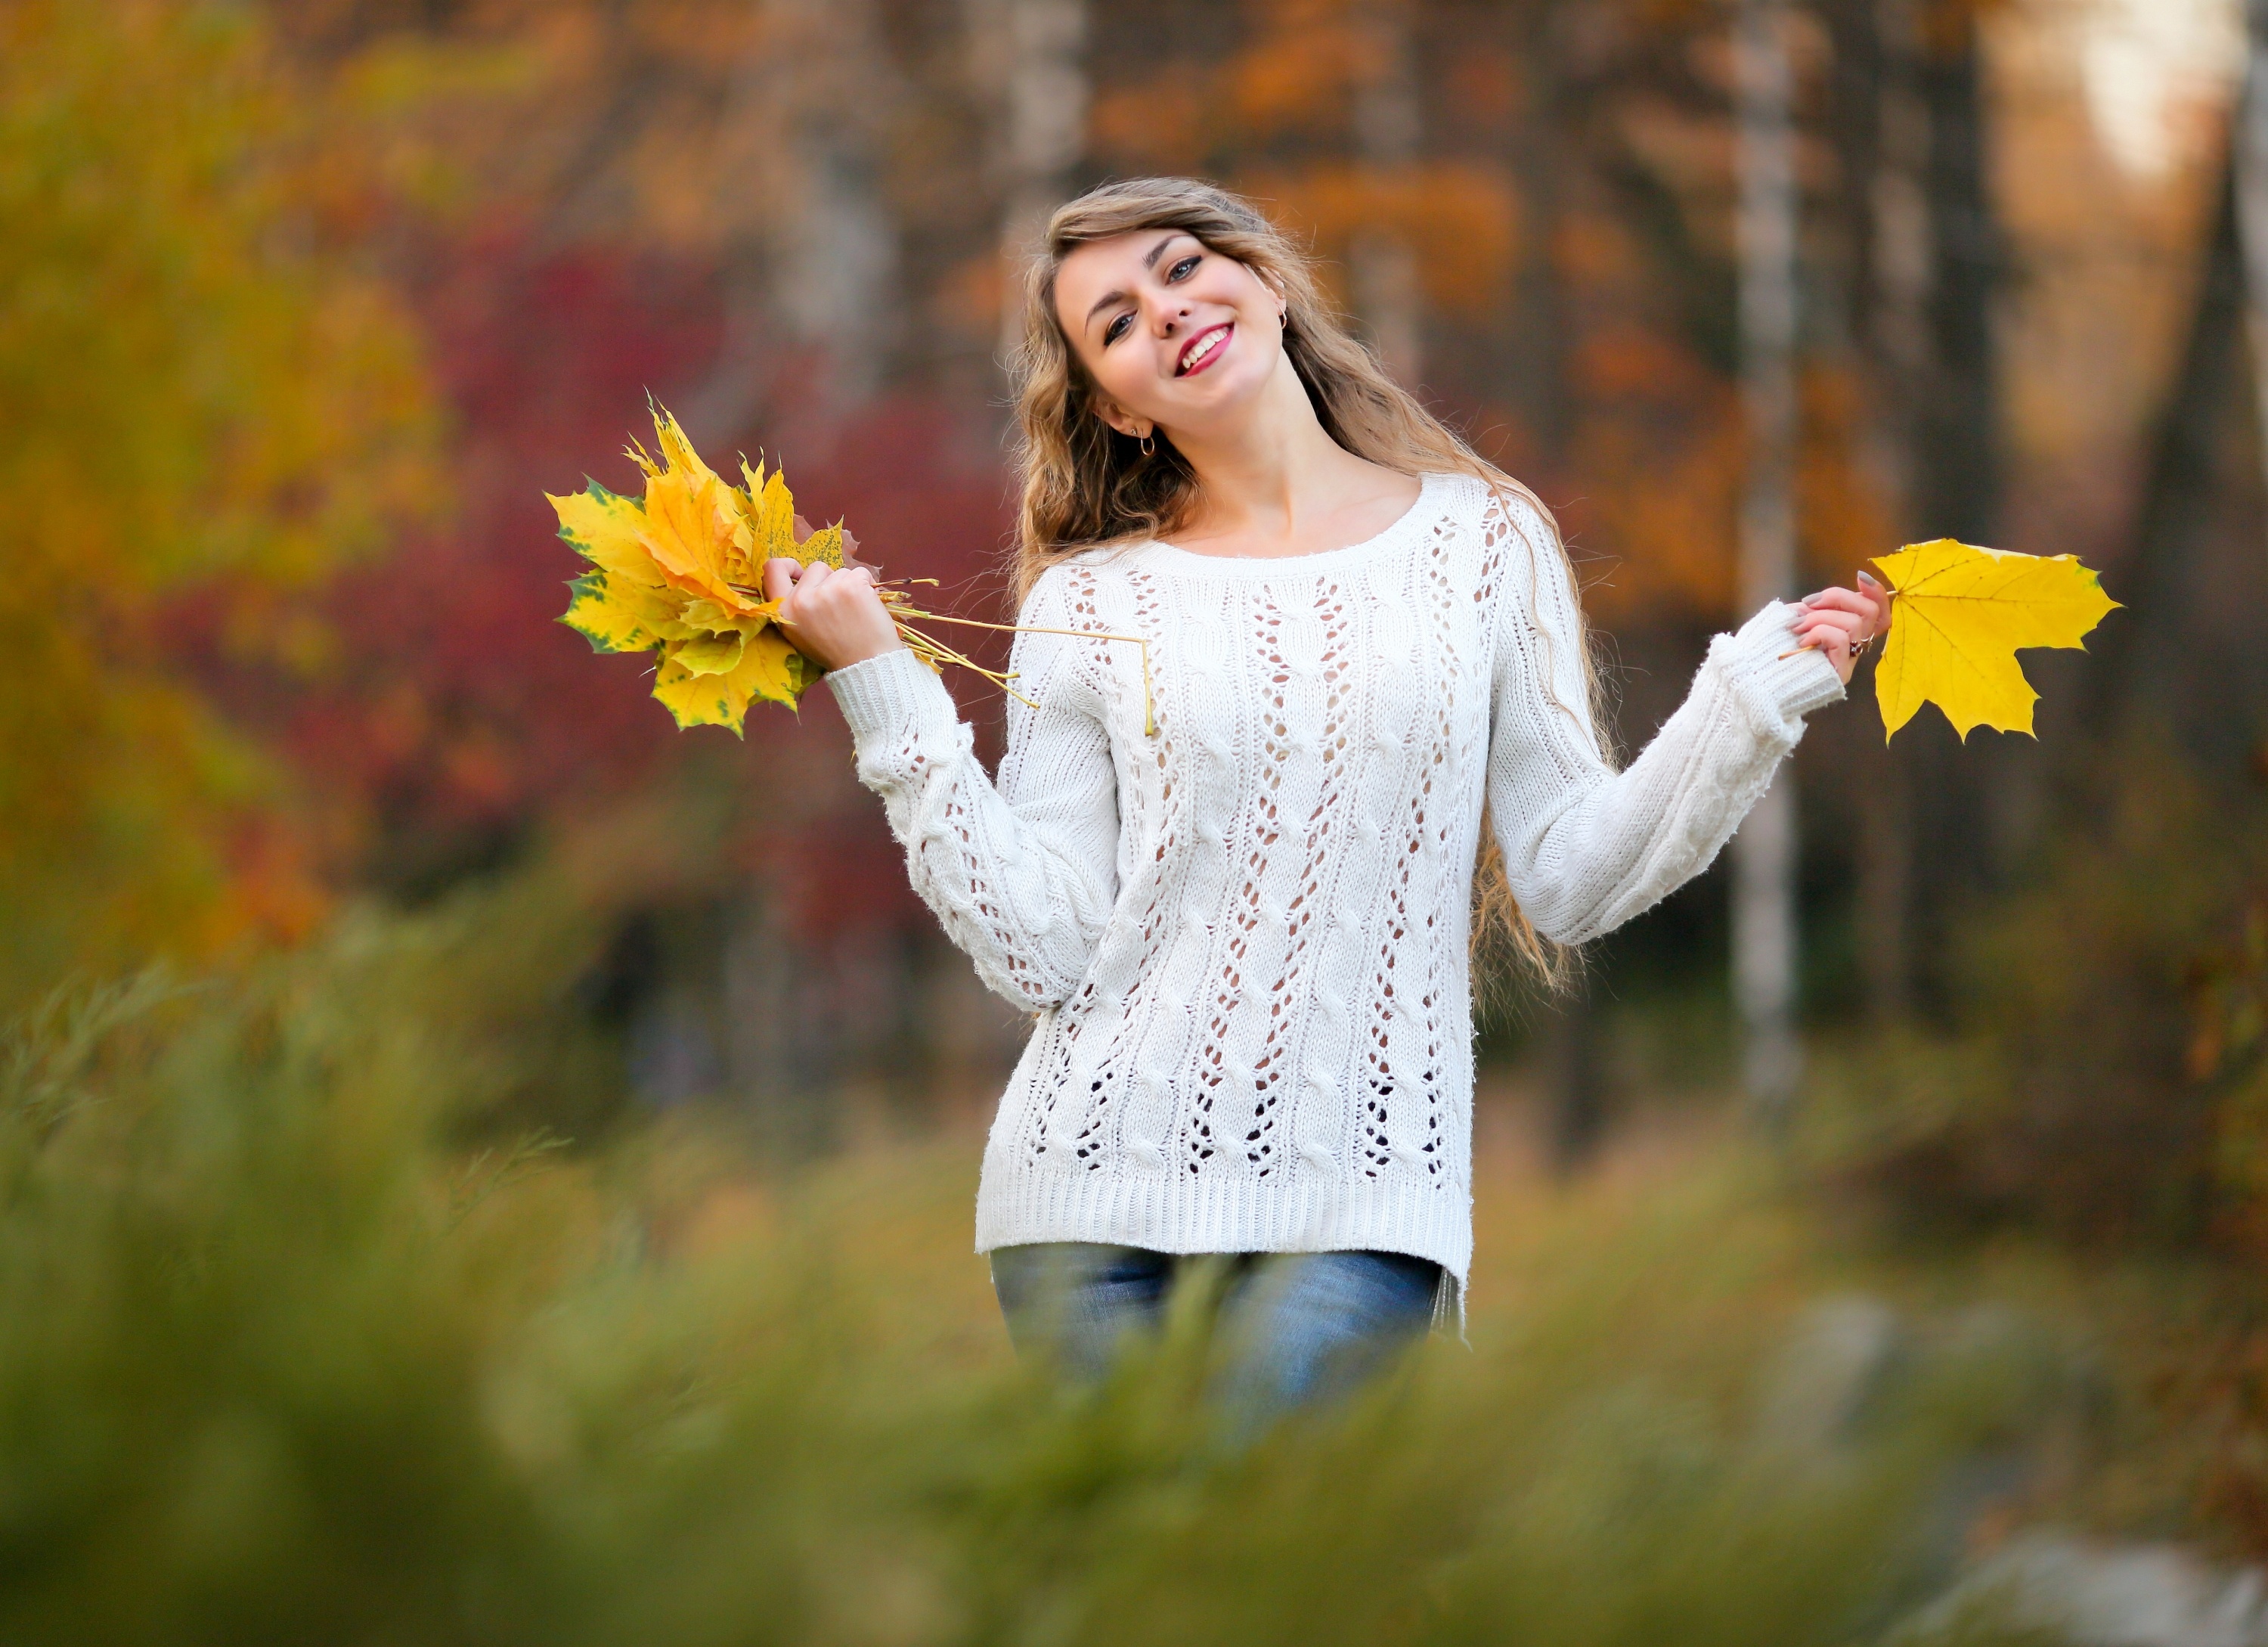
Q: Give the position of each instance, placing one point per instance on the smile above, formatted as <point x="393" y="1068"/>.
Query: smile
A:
<point x="1203" y="349"/>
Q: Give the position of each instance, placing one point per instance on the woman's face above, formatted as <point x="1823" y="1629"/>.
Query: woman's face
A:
<point x="1173" y="334"/>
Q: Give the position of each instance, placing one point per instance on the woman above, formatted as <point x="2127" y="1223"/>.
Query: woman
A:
<point x="1236" y="887"/>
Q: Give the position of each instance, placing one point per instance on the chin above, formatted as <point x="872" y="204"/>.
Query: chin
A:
<point x="1239" y="379"/>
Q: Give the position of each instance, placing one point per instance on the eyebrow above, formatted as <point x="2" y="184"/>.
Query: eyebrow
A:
<point x="1149" y="261"/>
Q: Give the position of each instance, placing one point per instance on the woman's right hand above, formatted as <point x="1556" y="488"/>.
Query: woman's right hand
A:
<point x="833" y="614"/>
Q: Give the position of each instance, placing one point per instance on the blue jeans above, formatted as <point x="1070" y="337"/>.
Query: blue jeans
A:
<point x="1299" y="1328"/>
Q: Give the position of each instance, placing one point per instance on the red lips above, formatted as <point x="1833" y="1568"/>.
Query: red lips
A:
<point x="1213" y="341"/>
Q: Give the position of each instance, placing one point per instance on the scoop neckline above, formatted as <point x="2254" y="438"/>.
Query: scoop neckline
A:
<point x="1410" y="520"/>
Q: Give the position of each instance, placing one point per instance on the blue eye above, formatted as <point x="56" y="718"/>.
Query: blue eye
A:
<point x="1183" y="267"/>
<point x="1116" y="330"/>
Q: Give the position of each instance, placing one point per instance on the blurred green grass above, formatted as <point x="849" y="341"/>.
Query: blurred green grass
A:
<point x="304" y="1337"/>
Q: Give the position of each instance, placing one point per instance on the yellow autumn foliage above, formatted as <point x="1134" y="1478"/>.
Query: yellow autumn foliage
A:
<point x="1958" y="617"/>
<point x="201" y="394"/>
<point x="680" y="573"/>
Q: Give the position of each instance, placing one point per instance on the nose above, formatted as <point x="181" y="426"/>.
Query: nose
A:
<point x="1171" y="314"/>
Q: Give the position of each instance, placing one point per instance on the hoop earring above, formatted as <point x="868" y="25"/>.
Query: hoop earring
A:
<point x="1148" y="449"/>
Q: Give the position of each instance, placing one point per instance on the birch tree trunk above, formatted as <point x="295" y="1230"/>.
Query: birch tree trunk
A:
<point x="1030" y="56"/>
<point x="1388" y="125"/>
<point x="811" y="269"/>
<point x="1764" y="852"/>
<point x="1950" y="796"/>
<point x="837" y="260"/>
<point x="1894" y="288"/>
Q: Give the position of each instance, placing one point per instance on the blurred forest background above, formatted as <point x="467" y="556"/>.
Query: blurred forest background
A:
<point x="303" y="307"/>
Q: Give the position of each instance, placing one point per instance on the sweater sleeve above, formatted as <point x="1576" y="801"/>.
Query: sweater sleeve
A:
<point x="1022" y="873"/>
<point x="1586" y="847"/>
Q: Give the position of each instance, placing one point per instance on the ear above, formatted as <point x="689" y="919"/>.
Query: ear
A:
<point x="1119" y="418"/>
<point x="1283" y="303"/>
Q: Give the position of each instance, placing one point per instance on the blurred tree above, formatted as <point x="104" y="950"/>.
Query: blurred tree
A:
<point x="764" y="213"/>
<point x="204" y="391"/>
<point x="2104" y="1115"/>
<point x="2248" y="153"/>
<point x="810" y="278"/>
<point x="1920" y="262"/>
<point x="1387" y="126"/>
<point x="1029" y="57"/>
<point x="1765" y="850"/>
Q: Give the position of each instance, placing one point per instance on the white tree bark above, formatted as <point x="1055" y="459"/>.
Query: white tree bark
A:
<point x="1766" y="850"/>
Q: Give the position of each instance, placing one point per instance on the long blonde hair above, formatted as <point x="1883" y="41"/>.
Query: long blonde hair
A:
<point x="1085" y="483"/>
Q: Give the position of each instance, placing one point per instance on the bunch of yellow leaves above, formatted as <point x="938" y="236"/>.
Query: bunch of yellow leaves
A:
<point x="1958" y="617"/>
<point x="681" y="574"/>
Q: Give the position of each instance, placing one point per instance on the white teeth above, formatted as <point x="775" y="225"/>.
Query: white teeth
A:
<point x="1205" y="349"/>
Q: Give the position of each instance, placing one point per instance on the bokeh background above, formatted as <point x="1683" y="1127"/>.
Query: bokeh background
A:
<point x="480" y="1164"/>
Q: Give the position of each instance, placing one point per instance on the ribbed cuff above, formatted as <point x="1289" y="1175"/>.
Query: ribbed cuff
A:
<point x="893" y="697"/>
<point x="1777" y="683"/>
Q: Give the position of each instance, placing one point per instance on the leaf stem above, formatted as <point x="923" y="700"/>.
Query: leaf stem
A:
<point x="1149" y="714"/>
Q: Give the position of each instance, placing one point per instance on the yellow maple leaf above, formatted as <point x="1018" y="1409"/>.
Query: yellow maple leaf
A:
<point x="1959" y="616"/>
<point x="772" y="669"/>
<point x="771" y="513"/>
<point x="678" y="573"/>
<point x="604" y="529"/>
<point x="615" y="613"/>
<point x="764" y="666"/>
<point x="690" y="518"/>
<point x="698" y="700"/>
<point x="775" y="530"/>
<point x="711" y="654"/>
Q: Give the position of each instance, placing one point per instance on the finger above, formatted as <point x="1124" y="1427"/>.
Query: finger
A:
<point x="1850" y="625"/>
<point x="1872" y="587"/>
<point x="779" y="578"/>
<point x="1839" y="601"/>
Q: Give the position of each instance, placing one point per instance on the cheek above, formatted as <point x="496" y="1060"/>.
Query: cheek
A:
<point x="1110" y="368"/>
<point x="1128" y="375"/>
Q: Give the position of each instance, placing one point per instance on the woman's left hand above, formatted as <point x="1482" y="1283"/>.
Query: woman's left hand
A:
<point x="1842" y="623"/>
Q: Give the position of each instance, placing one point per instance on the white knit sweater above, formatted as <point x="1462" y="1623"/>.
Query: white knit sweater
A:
<point x="1244" y="937"/>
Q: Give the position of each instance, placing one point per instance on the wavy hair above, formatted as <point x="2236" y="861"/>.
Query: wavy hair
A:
<point x="1085" y="485"/>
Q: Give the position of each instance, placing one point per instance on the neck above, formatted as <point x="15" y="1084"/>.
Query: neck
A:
<point x="1273" y="471"/>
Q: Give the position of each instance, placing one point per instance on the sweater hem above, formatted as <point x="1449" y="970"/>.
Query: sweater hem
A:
<point x="1017" y="1207"/>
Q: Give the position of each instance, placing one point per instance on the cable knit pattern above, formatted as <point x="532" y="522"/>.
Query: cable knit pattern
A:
<point x="1245" y="937"/>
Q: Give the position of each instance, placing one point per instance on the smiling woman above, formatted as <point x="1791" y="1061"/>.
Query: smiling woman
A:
<point x="1243" y="926"/>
